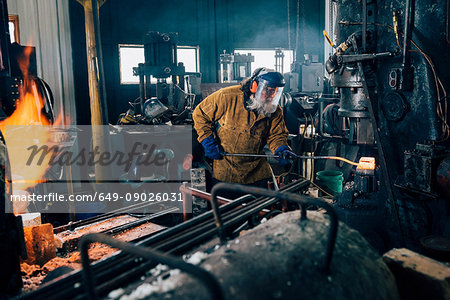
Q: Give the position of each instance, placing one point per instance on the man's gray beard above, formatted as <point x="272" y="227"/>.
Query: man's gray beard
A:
<point x="261" y="109"/>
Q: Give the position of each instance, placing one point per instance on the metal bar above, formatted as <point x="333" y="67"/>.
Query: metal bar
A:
<point x="142" y="91"/>
<point x="406" y="34"/>
<point x="204" y="195"/>
<point x="232" y="220"/>
<point x="190" y="236"/>
<point x="70" y="191"/>
<point x="303" y="212"/>
<point x="191" y="228"/>
<point x="280" y="195"/>
<point x="188" y="225"/>
<point x="251" y="155"/>
<point x="364" y="25"/>
<point x="359" y="57"/>
<point x="293" y="154"/>
<point x="232" y="216"/>
<point x="143" y="220"/>
<point x="183" y="190"/>
<point x="204" y="276"/>
<point x="117" y="212"/>
<point x="256" y="206"/>
<point x="201" y="232"/>
<point x="274" y="179"/>
<point x="321" y="107"/>
<point x="208" y="230"/>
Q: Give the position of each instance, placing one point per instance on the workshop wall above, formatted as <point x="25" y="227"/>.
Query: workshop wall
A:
<point x="212" y="25"/>
<point x="44" y="24"/>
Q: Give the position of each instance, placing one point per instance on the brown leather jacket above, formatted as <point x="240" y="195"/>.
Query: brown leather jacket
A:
<point x="239" y="131"/>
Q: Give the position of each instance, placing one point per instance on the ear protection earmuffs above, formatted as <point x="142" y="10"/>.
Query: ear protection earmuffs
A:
<point x="253" y="80"/>
<point x="254" y="86"/>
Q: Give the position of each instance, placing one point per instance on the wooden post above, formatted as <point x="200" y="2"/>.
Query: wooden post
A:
<point x="97" y="93"/>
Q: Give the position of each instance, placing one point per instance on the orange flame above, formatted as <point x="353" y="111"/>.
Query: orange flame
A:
<point x="28" y="114"/>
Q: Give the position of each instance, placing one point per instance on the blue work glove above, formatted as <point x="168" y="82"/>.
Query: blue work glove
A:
<point x="285" y="155"/>
<point x="211" y="148"/>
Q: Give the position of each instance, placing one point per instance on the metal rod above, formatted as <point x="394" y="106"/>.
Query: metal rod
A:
<point x="70" y="191"/>
<point x="192" y="229"/>
<point x="303" y="212"/>
<point x="280" y="195"/>
<point x="204" y="231"/>
<point x="274" y="179"/>
<point x="230" y="216"/>
<point x="364" y="25"/>
<point x="114" y="213"/>
<point x="140" y="221"/>
<point x="194" y="235"/>
<point x="202" y="194"/>
<point x="321" y="107"/>
<point x="406" y="34"/>
<point x="204" y="276"/>
<point x="183" y="188"/>
<point x="251" y="155"/>
<point x="360" y="57"/>
<point x="142" y="95"/>
<point x="293" y="154"/>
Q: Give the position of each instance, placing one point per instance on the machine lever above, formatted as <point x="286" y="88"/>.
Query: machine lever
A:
<point x="349" y="58"/>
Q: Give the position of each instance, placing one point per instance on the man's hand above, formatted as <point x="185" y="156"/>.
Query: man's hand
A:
<point x="212" y="150"/>
<point x="285" y="155"/>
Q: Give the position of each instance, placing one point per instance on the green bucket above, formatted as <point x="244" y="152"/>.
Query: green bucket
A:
<point x="331" y="181"/>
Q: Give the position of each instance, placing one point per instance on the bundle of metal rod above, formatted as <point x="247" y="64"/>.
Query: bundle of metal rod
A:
<point x="120" y="269"/>
<point x="188" y="235"/>
<point x="140" y="221"/>
<point x="121" y="211"/>
<point x="207" y="196"/>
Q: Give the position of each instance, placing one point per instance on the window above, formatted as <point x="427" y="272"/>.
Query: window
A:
<point x="132" y="55"/>
<point x="13" y="23"/>
<point x="189" y="57"/>
<point x="266" y="58"/>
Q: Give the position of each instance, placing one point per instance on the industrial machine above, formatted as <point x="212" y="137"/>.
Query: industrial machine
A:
<point x="235" y="67"/>
<point x="385" y="96"/>
<point x="162" y="101"/>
